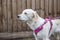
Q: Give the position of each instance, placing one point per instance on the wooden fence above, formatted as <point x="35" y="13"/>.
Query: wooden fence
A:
<point x="9" y="9"/>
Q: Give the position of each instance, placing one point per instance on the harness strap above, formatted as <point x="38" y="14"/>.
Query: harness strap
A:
<point x="50" y="26"/>
<point x="49" y="19"/>
<point x="41" y="27"/>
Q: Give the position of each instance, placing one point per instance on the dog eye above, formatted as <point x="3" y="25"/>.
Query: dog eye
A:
<point x="25" y="13"/>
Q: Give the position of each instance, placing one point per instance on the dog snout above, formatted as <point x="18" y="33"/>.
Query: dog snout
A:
<point x="18" y="16"/>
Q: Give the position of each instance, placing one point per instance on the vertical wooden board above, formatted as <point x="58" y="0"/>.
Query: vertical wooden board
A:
<point x="24" y="6"/>
<point x="1" y="16"/>
<point x="58" y="5"/>
<point x="55" y="7"/>
<point x="4" y="15"/>
<point x="46" y="7"/>
<point x="50" y="8"/>
<point x="9" y="10"/>
<point x="19" y="10"/>
<point x="14" y="15"/>
<point x="28" y="3"/>
<point x="37" y="4"/>
<point x="33" y="4"/>
<point x="42" y="7"/>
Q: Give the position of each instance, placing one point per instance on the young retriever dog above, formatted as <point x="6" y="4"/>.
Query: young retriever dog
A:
<point x="42" y="28"/>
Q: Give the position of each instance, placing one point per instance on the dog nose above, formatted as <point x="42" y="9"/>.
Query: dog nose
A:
<point x="18" y="16"/>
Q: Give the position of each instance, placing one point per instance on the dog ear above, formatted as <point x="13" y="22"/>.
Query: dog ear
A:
<point x="35" y="15"/>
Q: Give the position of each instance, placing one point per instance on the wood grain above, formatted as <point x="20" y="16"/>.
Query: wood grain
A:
<point x="46" y="7"/>
<point x="42" y="8"/>
<point x="50" y="8"/>
<point x="4" y="8"/>
<point x="9" y="14"/>
<point x="55" y="7"/>
<point x="29" y="3"/>
<point x="14" y="15"/>
<point x="25" y="34"/>
<point x="33" y="4"/>
<point x="1" y="16"/>
<point x="37" y="4"/>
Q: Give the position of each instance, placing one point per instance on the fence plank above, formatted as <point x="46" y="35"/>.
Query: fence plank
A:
<point x="39" y="8"/>
<point x="9" y="10"/>
<point x="46" y="7"/>
<point x="4" y="15"/>
<point x="55" y="7"/>
<point x="58" y="8"/>
<point x="42" y="8"/>
<point x="50" y="8"/>
<point x="33" y="4"/>
<point x="25" y="34"/>
<point x="24" y="4"/>
<point x="29" y="3"/>
<point x="58" y="5"/>
<point x="37" y="4"/>
<point x="14" y="15"/>
<point x="19" y="10"/>
<point x="1" y="16"/>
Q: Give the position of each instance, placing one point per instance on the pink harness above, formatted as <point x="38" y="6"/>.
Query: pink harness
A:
<point x="41" y="27"/>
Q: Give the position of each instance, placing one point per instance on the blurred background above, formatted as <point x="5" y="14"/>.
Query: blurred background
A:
<point x="12" y="29"/>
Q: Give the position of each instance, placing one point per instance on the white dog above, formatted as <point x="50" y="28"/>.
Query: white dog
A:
<point x="42" y="28"/>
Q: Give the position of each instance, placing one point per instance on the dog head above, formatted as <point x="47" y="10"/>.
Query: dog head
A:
<point x="27" y="15"/>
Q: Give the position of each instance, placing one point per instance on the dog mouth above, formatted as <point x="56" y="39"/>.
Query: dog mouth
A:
<point x="22" y="20"/>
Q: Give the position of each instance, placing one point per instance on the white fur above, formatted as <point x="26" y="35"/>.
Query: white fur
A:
<point x="34" y="21"/>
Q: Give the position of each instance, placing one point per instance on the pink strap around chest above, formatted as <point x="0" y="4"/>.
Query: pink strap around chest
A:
<point x="41" y="27"/>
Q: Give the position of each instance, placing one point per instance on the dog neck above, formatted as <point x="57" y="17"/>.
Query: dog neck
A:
<point x="33" y="24"/>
